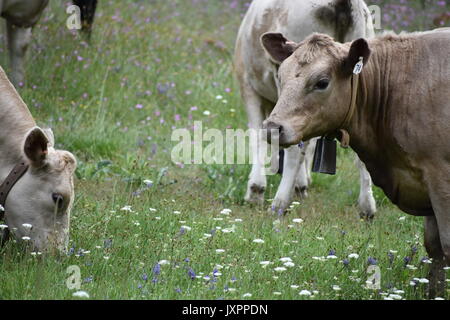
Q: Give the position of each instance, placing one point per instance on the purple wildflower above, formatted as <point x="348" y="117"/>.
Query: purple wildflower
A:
<point x="191" y="274"/>
<point x="157" y="269"/>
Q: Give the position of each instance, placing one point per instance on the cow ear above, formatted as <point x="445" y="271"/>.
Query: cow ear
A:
<point x="359" y="48"/>
<point x="51" y="137"/>
<point x="277" y="46"/>
<point x="35" y="146"/>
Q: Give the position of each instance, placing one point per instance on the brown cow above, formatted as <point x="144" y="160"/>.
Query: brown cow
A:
<point x="399" y="122"/>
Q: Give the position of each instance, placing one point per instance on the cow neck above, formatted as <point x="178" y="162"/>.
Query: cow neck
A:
<point x="15" y="122"/>
<point x="371" y="101"/>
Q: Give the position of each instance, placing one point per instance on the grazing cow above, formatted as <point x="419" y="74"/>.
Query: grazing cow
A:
<point x="36" y="191"/>
<point x="345" y="20"/>
<point x="396" y="112"/>
<point x="21" y="16"/>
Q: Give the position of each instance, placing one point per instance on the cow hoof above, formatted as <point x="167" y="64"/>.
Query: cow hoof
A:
<point x="367" y="216"/>
<point x="255" y="194"/>
<point x="301" y="192"/>
<point x="279" y="206"/>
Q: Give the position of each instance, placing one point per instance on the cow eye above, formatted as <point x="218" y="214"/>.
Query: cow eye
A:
<point x="322" y="84"/>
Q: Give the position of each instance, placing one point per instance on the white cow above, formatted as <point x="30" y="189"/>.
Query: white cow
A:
<point x="345" y="20"/>
<point x="20" y="17"/>
<point x="36" y="180"/>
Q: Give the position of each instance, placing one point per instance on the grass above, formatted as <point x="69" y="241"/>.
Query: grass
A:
<point x="114" y="103"/>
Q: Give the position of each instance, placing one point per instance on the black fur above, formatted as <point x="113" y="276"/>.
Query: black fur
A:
<point x="87" y="8"/>
<point x="338" y="14"/>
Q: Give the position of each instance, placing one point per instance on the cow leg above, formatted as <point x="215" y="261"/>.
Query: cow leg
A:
<point x="304" y="173"/>
<point x="434" y="249"/>
<point x="366" y="200"/>
<point x="18" y="40"/>
<point x="309" y="158"/>
<point x="257" y="180"/>
<point x="292" y="160"/>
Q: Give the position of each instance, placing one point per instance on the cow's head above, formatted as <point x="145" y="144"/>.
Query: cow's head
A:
<point x="38" y="206"/>
<point x="315" y="84"/>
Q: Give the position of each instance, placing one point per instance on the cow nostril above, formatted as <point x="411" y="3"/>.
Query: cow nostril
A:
<point x="58" y="199"/>
<point x="270" y="125"/>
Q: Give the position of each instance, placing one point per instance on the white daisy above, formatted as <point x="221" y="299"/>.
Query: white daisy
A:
<point x="81" y="294"/>
<point x="280" y="269"/>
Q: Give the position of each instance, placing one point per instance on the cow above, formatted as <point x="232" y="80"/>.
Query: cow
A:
<point x="257" y="74"/>
<point x="396" y="113"/>
<point x="36" y="191"/>
<point x="21" y="16"/>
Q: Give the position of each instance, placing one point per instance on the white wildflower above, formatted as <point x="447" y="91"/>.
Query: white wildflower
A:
<point x="289" y="264"/>
<point x="336" y="288"/>
<point x="81" y="294"/>
<point x="285" y="259"/>
<point x="280" y="269"/>
<point x="225" y="211"/>
<point x="264" y="263"/>
<point x="27" y="226"/>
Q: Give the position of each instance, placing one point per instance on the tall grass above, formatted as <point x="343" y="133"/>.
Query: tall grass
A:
<point x="153" y="66"/>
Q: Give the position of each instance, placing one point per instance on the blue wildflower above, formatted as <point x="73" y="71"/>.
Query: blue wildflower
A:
<point x="406" y="260"/>
<point x="157" y="269"/>
<point x="372" y="261"/>
<point x="71" y="251"/>
<point x="107" y="243"/>
<point x="391" y="257"/>
<point x="191" y="274"/>
<point x="144" y="277"/>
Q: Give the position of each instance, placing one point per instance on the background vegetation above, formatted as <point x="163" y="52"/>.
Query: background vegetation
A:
<point x="146" y="228"/>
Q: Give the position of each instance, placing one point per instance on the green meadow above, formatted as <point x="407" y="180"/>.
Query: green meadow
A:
<point x="144" y="227"/>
